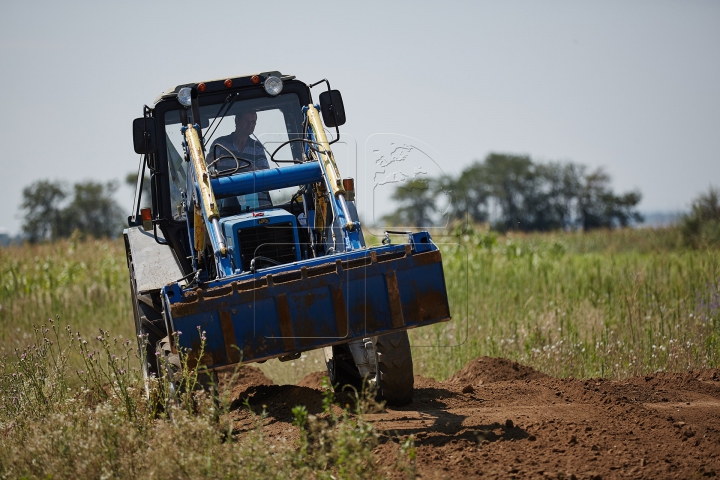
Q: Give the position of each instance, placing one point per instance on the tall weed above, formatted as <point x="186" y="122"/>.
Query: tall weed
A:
<point x="106" y="427"/>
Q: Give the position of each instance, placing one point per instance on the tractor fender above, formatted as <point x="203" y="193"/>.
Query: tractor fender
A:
<point x="154" y="265"/>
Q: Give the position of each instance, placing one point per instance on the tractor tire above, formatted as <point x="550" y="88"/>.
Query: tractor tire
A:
<point x="394" y="378"/>
<point x="342" y="371"/>
<point x="170" y="367"/>
<point x="393" y="382"/>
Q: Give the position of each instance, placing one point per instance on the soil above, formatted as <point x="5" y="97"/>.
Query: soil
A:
<point x="498" y="419"/>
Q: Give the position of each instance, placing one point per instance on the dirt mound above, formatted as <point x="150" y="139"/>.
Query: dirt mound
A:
<point x="247" y="376"/>
<point x="490" y="370"/>
<point x="313" y="380"/>
<point x="519" y="423"/>
<point x="277" y="401"/>
<point x="423" y="382"/>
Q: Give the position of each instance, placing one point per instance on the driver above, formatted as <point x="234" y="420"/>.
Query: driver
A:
<point x="241" y="145"/>
<point x="244" y="147"/>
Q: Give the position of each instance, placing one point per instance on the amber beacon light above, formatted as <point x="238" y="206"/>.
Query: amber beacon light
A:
<point x="146" y="216"/>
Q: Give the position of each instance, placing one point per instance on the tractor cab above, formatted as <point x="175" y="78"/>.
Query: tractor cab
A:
<point x="244" y="127"/>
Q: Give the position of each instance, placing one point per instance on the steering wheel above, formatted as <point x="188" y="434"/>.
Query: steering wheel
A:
<point x="215" y="173"/>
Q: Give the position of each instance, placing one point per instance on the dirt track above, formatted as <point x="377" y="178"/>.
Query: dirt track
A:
<point x="498" y="419"/>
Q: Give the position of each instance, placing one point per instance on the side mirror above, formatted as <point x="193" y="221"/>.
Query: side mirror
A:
<point x="333" y="111"/>
<point x="144" y="138"/>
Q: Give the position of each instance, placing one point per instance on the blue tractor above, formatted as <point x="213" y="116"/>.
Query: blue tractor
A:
<point x="253" y="238"/>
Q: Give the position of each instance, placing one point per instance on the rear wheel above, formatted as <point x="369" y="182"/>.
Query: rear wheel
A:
<point x="390" y="367"/>
<point x="149" y="325"/>
<point x="170" y="367"/>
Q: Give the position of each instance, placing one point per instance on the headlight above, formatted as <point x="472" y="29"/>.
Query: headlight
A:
<point x="273" y="85"/>
<point x="184" y="96"/>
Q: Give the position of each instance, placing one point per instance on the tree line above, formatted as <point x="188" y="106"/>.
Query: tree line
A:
<point x="509" y="191"/>
<point x="512" y="192"/>
<point x="52" y="210"/>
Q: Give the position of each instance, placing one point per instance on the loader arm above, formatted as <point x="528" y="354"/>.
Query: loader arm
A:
<point x="204" y="203"/>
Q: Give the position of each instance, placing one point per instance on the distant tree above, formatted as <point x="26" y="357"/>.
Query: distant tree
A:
<point x="417" y="205"/>
<point x="469" y="193"/>
<point x="131" y="181"/>
<point x="91" y="210"/>
<point x="599" y="207"/>
<point x="562" y="185"/>
<point x="42" y="217"/>
<point x="529" y="196"/>
<point x="701" y="227"/>
<point x="511" y="182"/>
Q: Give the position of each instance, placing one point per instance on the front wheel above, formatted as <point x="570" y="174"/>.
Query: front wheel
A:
<point x="386" y="363"/>
<point x="394" y="378"/>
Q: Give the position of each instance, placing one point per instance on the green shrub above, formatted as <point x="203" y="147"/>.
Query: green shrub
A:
<point x="701" y="227"/>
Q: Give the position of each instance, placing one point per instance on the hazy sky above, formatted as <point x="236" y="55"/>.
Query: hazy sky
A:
<point x="631" y="86"/>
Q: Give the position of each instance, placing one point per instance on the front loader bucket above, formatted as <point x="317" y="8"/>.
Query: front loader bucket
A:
<point x="312" y="304"/>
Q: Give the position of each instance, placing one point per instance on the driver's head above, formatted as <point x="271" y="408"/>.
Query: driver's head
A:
<point x="245" y="122"/>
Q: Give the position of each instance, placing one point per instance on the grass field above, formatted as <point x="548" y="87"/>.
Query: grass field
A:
<point x="85" y="284"/>
<point x="611" y="304"/>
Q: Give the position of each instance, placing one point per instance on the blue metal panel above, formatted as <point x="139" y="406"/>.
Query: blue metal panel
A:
<point x="367" y="316"/>
<point x="309" y="308"/>
<point x="332" y="300"/>
<point x="423" y="282"/>
<point x="231" y="225"/>
<point x="421" y="241"/>
<point x="265" y="180"/>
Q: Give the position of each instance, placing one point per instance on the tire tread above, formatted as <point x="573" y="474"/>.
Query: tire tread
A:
<point x="394" y="381"/>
